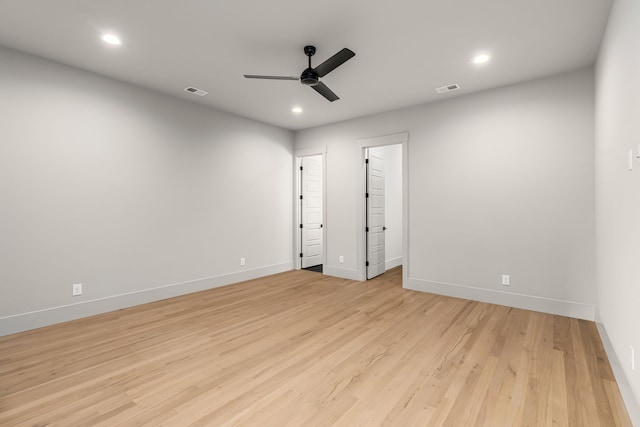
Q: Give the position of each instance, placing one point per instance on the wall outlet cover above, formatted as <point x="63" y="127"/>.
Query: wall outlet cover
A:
<point x="506" y="281"/>
<point x="76" y="289"/>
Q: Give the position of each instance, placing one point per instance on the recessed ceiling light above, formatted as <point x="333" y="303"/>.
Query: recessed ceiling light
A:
<point x="111" y="39"/>
<point x="296" y="110"/>
<point x="481" y="59"/>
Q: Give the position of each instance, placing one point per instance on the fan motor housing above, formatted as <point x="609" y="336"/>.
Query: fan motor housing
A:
<point x="309" y="77"/>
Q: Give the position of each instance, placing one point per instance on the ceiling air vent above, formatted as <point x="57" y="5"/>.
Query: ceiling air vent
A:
<point x="195" y="91"/>
<point x="447" y="88"/>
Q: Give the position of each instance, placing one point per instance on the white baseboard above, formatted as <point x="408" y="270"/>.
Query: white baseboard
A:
<point x="631" y="400"/>
<point x="527" y="302"/>
<point x="392" y="263"/>
<point x="341" y="272"/>
<point x="49" y="316"/>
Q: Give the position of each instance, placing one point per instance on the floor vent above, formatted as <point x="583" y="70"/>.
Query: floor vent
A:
<point x="447" y="88"/>
<point x="195" y="91"/>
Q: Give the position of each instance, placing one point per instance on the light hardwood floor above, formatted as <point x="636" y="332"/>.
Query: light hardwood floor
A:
<point x="301" y="349"/>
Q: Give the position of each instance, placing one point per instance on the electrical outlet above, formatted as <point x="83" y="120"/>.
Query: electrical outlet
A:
<point x="506" y="281"/>
<point x="241" y="261"/>
<point x="633" y="359"/>
<point x="76" y="289"/>
<point x="341" y="259"/>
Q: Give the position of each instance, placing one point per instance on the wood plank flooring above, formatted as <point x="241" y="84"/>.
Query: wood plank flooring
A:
<point x="302" y="349"/>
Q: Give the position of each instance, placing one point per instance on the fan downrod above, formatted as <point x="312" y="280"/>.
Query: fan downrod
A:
<point x="309" y="77"/>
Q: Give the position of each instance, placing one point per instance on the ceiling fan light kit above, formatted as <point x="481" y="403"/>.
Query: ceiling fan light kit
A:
<point x="311" y="76"/>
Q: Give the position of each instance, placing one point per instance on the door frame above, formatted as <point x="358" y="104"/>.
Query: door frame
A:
<point x="297" y="190"/>
<point x="401" y="138"/>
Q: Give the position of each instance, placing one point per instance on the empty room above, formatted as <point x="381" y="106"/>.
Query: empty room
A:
<point x="328" y="214"/>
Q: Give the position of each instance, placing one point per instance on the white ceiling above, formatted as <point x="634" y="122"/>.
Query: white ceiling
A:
<point x="404" y="48"/>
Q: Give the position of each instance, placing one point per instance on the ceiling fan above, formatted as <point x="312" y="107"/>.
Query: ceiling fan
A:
<point x="311" y="76"/>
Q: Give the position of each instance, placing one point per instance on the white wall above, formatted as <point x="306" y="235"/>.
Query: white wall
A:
<point x="617" y="188"/>
<point x="500" y="182"/>
<point x="392" y="155"/>
<point x="137" y="195"/>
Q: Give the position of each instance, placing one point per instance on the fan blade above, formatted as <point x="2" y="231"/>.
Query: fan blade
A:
<point x="323" y="90"/>
<point x="334" y="62"/>
<point x="253" y="76"/>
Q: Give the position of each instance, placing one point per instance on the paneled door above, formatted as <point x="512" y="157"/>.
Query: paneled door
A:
<point x="375" y="228"/>
<point x="311" y="211"/>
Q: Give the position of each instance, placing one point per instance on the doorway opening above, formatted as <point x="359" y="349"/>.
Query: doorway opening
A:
<point x="384" y="205"/>
<point x="310" y="196"/>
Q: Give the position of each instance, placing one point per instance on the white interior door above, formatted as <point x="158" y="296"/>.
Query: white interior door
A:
<point x="375" y="227"/>
<point x="311" y="211"/>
